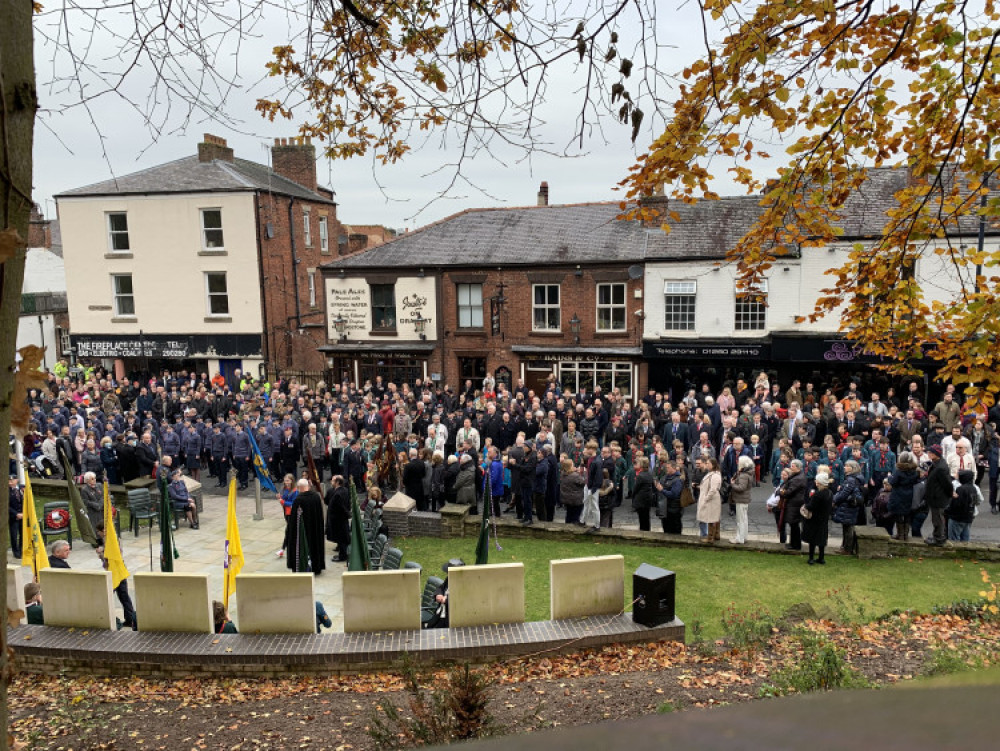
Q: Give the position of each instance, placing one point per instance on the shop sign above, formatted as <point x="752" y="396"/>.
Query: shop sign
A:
<point x="707" y="351"/>
<point x="132" y="347"/>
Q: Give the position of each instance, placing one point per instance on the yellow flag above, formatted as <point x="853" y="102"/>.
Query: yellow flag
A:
<point x="32" y="545"/>
<point x="233" y="561"/>
<point x="112" y="551"/>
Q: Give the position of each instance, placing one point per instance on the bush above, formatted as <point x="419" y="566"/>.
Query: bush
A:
<point x="748" y="630"/>
<point x="455" y="709"/>
<point x="822" y="666"/>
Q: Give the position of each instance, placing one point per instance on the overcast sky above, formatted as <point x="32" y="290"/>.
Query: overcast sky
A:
<point x="68" y="150"/>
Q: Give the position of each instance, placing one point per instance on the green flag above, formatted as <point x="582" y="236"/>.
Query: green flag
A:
<point x="87" y="533"/>
<point x="303" y="563"/>
<point x="483" y="546"/>
<point x="358" y="556"/>
<point x="168" y="551"/>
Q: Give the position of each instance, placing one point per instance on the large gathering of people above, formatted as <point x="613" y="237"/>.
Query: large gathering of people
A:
<point x="832" y="453"/>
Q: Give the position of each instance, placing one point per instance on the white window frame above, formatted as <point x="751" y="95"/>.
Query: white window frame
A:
<point x="620" y="375"/>
<point x="324" y="235"/>
<point x="311" y="276"/>
<point x="750" y="316"/>
<point x="112" y="233"/>
<point x="469" y="306"/>
<point x="547" y="306"/>
<point x="209" y="294"/>
<point x="117" y="296"/>
<point x="611" y="307"/>
<point x="307" y="228"/>
<point x="205" y="230"/>
<point x="673" y="311"/>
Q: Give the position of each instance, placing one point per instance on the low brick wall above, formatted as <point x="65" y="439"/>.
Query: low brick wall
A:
<point x="425" y="524"/>
<point x="59" y="651"/>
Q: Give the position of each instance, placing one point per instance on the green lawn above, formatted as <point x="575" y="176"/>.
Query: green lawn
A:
<point x="709" y="581"/>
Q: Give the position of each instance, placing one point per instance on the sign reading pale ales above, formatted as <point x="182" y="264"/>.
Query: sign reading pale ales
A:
<point x="399" y="309"/>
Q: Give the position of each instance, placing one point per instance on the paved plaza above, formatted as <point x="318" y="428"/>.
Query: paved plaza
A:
<point x="201" y="550"/>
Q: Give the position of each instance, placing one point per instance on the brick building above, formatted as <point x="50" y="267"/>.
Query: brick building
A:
<point x="213" y="262"/>
<point x="515" y="293"/>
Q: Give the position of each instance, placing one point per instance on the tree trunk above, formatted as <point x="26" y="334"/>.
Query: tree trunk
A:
<point x="18" y="102"/>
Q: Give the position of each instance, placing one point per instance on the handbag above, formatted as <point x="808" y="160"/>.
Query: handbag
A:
<point x="687" y="497"/>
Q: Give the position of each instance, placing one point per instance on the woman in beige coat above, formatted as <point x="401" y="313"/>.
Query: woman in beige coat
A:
<point x="710" y="500"/>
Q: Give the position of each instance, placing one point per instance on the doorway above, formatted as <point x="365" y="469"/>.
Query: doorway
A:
<point x="472" y="369"/>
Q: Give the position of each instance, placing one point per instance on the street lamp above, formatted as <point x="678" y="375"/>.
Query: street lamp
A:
<point x="574" y="326"/>
<point x="340" y="325"/>
<point x="420" y="324"/>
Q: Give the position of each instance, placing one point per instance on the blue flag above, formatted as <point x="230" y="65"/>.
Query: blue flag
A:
<point x="260" y="466"/>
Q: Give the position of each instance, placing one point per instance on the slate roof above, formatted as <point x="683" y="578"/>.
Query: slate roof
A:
<point x="189" y="175"/>
<point x="551" y="235"/>
<point x="590" y="233"/>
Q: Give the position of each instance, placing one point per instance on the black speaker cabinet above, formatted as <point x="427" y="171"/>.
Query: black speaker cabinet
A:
<point x="653" y="590"/>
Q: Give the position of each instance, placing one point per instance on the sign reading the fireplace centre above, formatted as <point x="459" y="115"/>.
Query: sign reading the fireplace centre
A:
<point x="412" y="299"/>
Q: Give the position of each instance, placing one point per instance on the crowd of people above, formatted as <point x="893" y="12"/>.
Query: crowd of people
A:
<point x="836" y="454"/>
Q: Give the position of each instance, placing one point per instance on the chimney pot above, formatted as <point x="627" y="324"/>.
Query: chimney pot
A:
<point x="543" y="194"/>
<point x="277" y="142"/>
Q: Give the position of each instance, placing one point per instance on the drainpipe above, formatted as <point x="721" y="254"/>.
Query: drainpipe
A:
<point x="295" y="280"/>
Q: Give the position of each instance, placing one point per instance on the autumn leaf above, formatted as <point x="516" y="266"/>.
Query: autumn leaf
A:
<point x="30" y="374"/>
<point x="10" y="242"/>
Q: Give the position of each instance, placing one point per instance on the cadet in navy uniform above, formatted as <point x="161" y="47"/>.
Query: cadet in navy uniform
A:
<point x="220" y="454"/>
<point x="192" y="452"/>
<point x="241" y="456"/>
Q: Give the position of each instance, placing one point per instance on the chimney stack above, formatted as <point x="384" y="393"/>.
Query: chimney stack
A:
<point x="295" y="159"/>
<point x="543" y="194"/>
<point x="212" y="148"/>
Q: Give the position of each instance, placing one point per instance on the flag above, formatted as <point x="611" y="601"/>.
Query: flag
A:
<point x="260" y="466"/>
<point x="83" y="524"/>
<point x="233" y="561"/>
<point x="358" y="557"/>
<point x="32" y="544"/>
<point x="168" y="551"/>
<point x="112" y="552"/>
<point x="483" y="545"/>
<point x="303" y="563"/>
<point x="313" y="474"/>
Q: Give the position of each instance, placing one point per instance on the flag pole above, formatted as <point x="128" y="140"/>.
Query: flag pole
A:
<point x="258" y="514"/>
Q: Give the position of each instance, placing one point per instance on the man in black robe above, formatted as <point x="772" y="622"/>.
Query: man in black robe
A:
<point x="338" y="517"/>
<point x="309" y="506"/>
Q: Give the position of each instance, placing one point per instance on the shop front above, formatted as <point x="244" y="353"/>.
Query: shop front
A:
<point x="361" y="363"/>
<point x="576" y="369"/>
<point x="675" y="366"/>
<point x="140" y="355"/>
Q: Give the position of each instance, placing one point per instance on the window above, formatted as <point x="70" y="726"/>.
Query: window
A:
<point x="324" y="236"/>
<point x="678" y="305"/>
<point x="218" y="293"/>
<point x="121" y="285"/>
<point x="307" y="229"/>
<point x="384" y="307"/>
<point x="751" y="308"/>
<point x="611" y="307"/>
<point x="545" y="307"/>
<point x="211" y="229"/>
<point x="608" y="375"/>
<point x="470" y="306"/>
<point x="118" y="232"/>
<point x="312" y="289"/>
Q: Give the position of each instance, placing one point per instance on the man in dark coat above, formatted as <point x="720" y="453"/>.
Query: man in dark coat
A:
<point x="145" y="455"/>
<point x="338" y="517"/>
<point x="938" y="495"/>
<point x="309" y="505"/>
<point x="413" y="479"/>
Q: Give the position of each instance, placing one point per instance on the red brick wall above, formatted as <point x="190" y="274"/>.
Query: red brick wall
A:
<point x="286" y="347"/>
<point x="578" y="295"/>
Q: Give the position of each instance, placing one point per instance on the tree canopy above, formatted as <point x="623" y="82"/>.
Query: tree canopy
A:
<point x="844" y="87"/>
